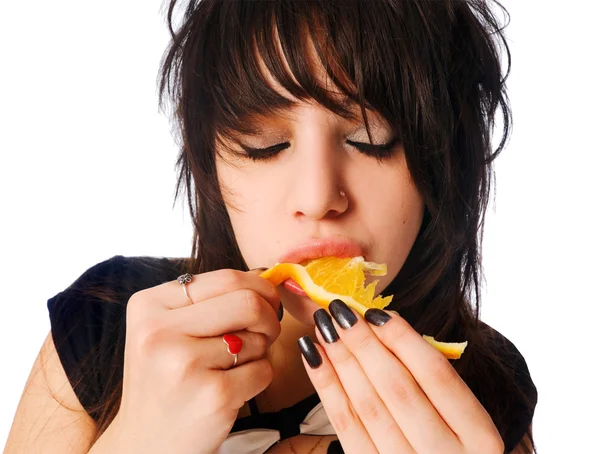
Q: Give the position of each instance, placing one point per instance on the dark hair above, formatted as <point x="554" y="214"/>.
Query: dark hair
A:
<point x="431" y="68"/>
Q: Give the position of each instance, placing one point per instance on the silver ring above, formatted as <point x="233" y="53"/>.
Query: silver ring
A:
<point x="183" y="280"/>
<point x="235" y="356"/>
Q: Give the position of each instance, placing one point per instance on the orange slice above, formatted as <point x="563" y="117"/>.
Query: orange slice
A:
<point x="451" y="350"/>
<point x="329" y="278"/>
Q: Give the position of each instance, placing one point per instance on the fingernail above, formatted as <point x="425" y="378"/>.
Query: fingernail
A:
<point x="325" y="325"/>
<point x="342" y="314"/>
<point x="280" y="312"/>
<point x="310" y="352"/>
<point x="376" y="317"/>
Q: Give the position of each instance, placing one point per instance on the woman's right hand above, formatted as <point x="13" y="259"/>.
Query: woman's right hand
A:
<point x="178" y="395"/>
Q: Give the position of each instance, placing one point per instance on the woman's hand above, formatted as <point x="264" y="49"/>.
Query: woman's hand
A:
<point x="386" y="390"/>
<point x="179" y="393"/>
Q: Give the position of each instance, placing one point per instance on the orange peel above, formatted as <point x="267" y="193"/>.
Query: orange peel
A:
<point x="451" y="350"/>
<point x="328" y="278"/>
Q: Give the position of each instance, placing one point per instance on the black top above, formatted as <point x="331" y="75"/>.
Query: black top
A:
<point x="88" y="319"/>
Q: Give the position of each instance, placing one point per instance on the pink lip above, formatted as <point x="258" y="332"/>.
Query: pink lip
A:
<point x="323" y="248"/>
<point x="293" y="287"/>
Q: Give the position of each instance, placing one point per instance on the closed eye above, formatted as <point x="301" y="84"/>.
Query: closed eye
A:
<point x="380" y="152"/>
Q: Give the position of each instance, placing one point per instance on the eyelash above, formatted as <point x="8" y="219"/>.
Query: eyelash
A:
<point x="377" y="151"/>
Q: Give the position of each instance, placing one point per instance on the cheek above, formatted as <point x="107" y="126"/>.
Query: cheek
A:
<point x="395" y="217"/>
<point x="391" y="201"/>
<point x="246" y="205"/>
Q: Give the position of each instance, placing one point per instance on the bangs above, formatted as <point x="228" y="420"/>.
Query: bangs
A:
<point x="285" y="51"/>
<point x="430" y="69"/>
<point x="338" y="55"/>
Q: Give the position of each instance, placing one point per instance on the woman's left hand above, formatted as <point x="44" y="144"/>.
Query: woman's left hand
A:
<point x="387" y="390"/>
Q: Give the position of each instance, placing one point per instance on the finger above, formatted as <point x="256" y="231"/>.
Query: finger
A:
<point x="247" y="380"/>
<point x="215" y="355"/>
<point x="236" y="311"/>
<point x="440" y="382"/>
<point x="212" y="284"/>
<point x="347" y="424"/>
<point x="407" y="403"/>
<point x="375" y="416"/>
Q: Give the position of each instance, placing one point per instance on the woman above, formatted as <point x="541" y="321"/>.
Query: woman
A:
<point x="308" y="129"/>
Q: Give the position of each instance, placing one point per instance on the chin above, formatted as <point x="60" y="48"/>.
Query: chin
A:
<point x="301" y="308"/>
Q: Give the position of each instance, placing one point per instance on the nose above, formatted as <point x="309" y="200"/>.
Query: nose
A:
<point x="318" y="189"/>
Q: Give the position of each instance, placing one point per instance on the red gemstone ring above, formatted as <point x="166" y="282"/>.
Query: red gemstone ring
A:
<point x="234" y="346"/>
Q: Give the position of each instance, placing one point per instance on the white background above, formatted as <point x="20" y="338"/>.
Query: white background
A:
<point x="87" y="172"/>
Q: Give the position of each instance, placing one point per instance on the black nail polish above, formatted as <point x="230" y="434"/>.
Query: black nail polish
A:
<point x="325" y="325"/>
<point x="280" y="312"/>
<point x="376" y="317"/>
<point x="310" y="352"/>
<point x="342" y="314"/>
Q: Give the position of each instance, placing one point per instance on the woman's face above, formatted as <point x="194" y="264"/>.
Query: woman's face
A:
<point x="292" y="197"/>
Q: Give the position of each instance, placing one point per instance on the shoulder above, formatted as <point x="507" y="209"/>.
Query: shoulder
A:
<point x="110" y="283"/>
<point x="120" y="273"/>
<point x="98" y="297"/>
<point x="511" y="358"/>
<point x="502" y="382"/>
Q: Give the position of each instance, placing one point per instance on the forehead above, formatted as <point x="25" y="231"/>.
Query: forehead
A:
<point x="280" y="116"/>
<point x="318" y="71"/>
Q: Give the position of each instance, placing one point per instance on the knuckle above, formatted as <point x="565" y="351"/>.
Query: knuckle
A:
<point x="276" y="330"/>
<point x="156" y="350"/>
<point x="135" y="305"/>
<point x="402" y="392"/>
<point x="262" y="344"/>
<point x="135" y="298"/>
<point x="400" y="330"/>
<point x="140" y="295"/>
<point x="218" y="394"/>
<point x="343" y="357"/>
<point x="345" y="418"/>
<point x="268" y="372"/>
<point x="365" y="343"/>
<point x="254" y="304"/>
<point x="261" y="374"/>
<point x="368" y="410"/>
<point x="274" y="293"/>
<point x="151" y="335"/>
<point x="229" y="278"/>
<point x="327" y="379"/>
<point x="180" y="364"/>
<point x="443" y="371"/>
